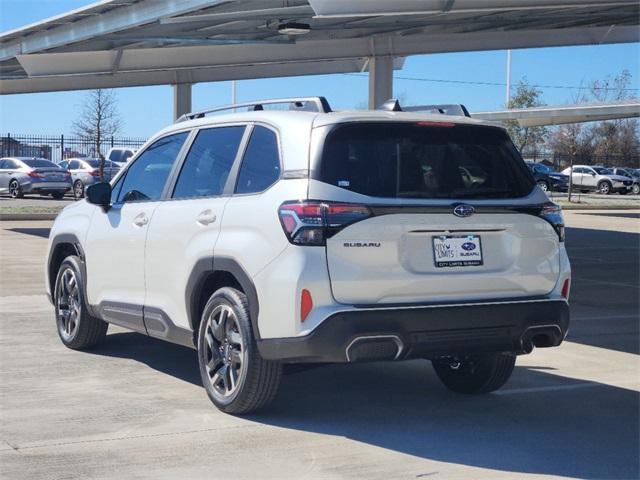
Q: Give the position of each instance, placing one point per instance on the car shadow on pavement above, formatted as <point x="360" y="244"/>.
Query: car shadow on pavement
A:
<point x="539" y="423"/>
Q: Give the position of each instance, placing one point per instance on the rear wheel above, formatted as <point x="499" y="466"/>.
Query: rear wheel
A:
<point x="475" y="374"/>
<point x="635" y="189"/>
<point x="237" y="379"/>
<point x="15" y="189"/>
<point x="77" y="329"/>
<point x="78" y="190"/>
<point x="604" y="188"/>
<point x="543" y="185"/>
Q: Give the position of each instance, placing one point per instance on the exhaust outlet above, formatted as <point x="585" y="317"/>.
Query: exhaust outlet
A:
<point x="374" y="347"/>
<point x="540" y="336"/>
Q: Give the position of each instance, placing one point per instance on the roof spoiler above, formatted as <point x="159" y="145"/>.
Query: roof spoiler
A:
<point x="393" y="105"/>
<point x="306" y="104"/>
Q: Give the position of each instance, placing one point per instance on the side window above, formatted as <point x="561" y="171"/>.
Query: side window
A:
<point x="3" y="164"/>
<point x="207" y="166"/>
<point x="261" y="162"/>
<point x="74" y="165"/>
<point x="146" y="177"/>
<point x="64" y="165"/>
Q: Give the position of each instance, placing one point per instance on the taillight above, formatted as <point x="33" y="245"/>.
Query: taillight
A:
<point x="565" y="288"/>
<point x="34" y="174"/>
<point x="552" y="213"/>
<point x="312" y="222"/>
<point x="94" y="173"/>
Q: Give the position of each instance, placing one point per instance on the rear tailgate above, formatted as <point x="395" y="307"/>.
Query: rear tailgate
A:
<point x="413" y="249"/>
<point x="391" y="258"/>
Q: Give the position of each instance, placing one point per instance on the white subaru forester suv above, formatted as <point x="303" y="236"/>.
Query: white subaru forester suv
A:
<point x="273" y="237"/>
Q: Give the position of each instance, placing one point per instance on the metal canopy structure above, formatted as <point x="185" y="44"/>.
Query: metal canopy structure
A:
<point x="123" y="43"/>
<point x="539" y="116"/>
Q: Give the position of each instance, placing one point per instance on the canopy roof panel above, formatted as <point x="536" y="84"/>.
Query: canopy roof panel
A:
<point x="117" y="43"/>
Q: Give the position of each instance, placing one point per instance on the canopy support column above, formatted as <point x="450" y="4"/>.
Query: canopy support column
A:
<point x="380" y="80"/>
<point x="181" y="99"/>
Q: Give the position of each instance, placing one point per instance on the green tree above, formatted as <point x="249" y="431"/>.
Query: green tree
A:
<point x="526" y="139"/>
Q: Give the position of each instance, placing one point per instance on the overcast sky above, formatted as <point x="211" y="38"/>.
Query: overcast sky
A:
<point x="147" y="109"/>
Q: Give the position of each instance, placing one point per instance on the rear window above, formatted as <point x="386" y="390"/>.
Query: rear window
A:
<point x="424" y="160"/>
<point x="95" y="163"/>
<point x="39" y="163"/>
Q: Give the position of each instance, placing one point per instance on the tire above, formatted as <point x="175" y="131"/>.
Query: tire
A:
<point x="604" y="187"/>
<point x="236" y="378"/>
<point x="543" y="185"/>
<point x="15" y="189"/>
<point x="623" y="192"/>
<point x="477" y="374"/>
<point x="58" y="195"/>
<point x="635" y="189"/>
<point x="78" y="189"/>
<point x="76" y="328"/>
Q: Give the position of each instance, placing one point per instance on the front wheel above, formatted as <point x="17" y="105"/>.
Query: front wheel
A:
<point x="237" y="379"/>
<point x="77" y="329"/>
<point x="15" y="189"/>
<point x="475" y="374"/>
<point x="604" y="188"/>
<point x="78" y="190"/>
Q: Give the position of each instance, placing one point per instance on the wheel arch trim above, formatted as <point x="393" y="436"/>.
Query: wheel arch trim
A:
<point x="209" y="265"/>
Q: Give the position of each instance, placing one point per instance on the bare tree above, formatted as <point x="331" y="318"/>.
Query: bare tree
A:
<point x="617" y="141"/>
<point x="98" y="120"/>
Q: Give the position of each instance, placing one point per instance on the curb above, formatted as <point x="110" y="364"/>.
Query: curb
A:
<point x="27" y="216"/>
<point x="591" y="206"/>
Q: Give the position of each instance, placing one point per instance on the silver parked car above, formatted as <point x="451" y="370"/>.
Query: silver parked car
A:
<point x="86" y="171"/>
<point x="23" y="175"/>
<point x="632" y="174"/>
<point x="586" y="178"/>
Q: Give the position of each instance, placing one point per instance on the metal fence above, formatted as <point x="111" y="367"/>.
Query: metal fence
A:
<point x="58" y="147"/>
<point x="560" y="162"/>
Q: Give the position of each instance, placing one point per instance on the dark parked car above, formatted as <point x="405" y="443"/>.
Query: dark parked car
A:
<point x="23" y="175"/>
<point x="633" y="174"/>
<point x="547" y="179"/>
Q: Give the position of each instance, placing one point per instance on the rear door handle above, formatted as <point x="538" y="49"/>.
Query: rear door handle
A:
<point x="141" y="219"/>
<point x="206" y="217"/>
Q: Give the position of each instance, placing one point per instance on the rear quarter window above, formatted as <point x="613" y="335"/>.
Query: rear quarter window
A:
<point x="424" y="160"/>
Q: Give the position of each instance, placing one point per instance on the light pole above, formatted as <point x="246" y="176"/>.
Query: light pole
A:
<point x="508" y="92"/>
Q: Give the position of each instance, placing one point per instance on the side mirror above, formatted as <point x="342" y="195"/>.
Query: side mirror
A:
<point x="99" y="194"/>
<point x="593" y="174"/>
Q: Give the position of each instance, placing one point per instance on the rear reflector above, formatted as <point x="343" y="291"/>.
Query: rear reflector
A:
<point x="565" y="288"/>
<point x="306" y="304"/>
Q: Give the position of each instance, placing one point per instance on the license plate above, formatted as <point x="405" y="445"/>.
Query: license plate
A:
<point x="457" y="251"/>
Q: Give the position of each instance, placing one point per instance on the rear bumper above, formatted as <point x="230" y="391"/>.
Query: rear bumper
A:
<point x="47" y="187"/>
<point x="427" y="332"/>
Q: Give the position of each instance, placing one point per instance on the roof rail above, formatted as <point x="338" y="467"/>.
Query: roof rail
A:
<point x="308" y="104"/>
<point x="393" y="105"/>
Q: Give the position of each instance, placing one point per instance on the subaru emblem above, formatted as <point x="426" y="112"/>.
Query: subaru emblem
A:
<point x="463" y="210"/>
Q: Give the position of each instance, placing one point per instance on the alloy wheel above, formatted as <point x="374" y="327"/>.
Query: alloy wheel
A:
<point x="69" y="304"/>
<point x="78" y="189"/>
<point x="224" y="349"/>
<point x="14" y="189"/>
<point x="604" y="188"/>
<point x="543" y="186"/>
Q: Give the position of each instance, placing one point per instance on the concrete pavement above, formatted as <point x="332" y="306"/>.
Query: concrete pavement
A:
<point x="134" y="408"/>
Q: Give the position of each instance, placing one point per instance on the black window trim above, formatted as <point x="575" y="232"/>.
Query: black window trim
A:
<point x="239" y="165"/>
<point x="124" y="171"/>
<point x="173" y="178"/>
